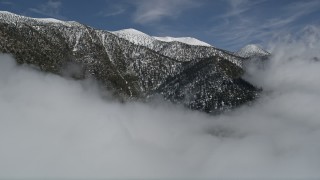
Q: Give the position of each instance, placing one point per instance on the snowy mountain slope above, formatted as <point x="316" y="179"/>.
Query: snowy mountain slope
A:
<point x="192" y="85"/>
<point x="8" y="16"/>
<point x="131" y="71"/>
<point x="181" y="49"/>
<point x="251" y="50"/>
<point x="135" y="36"/>
<point x="143" y="39"/>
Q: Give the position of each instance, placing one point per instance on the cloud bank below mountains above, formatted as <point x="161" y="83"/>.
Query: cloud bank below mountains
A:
<point x="55" y="127"/>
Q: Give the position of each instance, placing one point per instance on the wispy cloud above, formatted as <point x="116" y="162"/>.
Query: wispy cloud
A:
<point x="113" y="10"/>
<point x="292" y="13"/>
<point x="239" y="26"/>
<point x="237" y="7"/>
<point x="51" y="8"/>
<point x="148" y="11"/>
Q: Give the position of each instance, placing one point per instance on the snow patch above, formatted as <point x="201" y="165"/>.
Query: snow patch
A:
<point x="135" y="36"/>
<point x="186" y="40"/>
<point x="49" y="20"/>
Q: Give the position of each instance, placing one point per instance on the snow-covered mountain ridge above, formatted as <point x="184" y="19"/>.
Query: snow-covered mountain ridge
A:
<point x="143" y="39"/>
<point x="8" y="16"/>
<point x="200" y="77"/>
<point x="182" y="49"/>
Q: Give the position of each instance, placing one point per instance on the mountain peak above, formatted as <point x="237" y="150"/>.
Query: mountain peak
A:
<point x="251" y="50"/>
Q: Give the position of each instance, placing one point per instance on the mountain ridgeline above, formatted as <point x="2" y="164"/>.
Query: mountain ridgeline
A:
<point x="130" y="63"/>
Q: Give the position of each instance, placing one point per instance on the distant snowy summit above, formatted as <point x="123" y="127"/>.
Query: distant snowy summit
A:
<point x="143" y="39"/>
<point x="252" y="50"/>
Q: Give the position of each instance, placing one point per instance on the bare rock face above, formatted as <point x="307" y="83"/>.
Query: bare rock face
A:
<point x="201" y="77"/>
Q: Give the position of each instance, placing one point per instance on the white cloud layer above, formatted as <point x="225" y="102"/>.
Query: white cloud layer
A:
<point x="53" y="127"/>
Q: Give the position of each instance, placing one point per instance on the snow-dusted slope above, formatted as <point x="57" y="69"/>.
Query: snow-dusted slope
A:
<point x="11" y="17"/>
<point x="135" y="37"/>
<point x="143" y="39"/>
<point x="251" y="50"/>
<point x="186" y="40"/>
<point x="183" y="49"/>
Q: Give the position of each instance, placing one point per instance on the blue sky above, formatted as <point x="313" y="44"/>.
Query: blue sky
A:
<point x="228" y="24"/>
